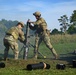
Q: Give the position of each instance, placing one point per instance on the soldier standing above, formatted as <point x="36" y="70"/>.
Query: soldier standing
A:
<point x="11" y="37"/>
<point x="40" y="26"/>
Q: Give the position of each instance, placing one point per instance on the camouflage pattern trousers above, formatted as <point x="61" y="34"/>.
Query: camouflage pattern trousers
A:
<point x="13" y="45"/>
<point x="43" y="37"/>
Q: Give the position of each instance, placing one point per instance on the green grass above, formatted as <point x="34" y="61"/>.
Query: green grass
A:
<point x="18" y="67"/>
<point x="64" y="45"/>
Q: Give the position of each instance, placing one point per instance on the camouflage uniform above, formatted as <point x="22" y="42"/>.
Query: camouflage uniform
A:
<point x="10" y="41"/>
<point x="42" y="35"/>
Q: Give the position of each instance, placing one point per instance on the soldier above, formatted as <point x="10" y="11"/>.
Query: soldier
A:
<point x="40" y="26"/>
<point x="10" y="39"/>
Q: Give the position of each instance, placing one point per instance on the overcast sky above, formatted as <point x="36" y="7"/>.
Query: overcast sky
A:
<point x="51" y="10"/>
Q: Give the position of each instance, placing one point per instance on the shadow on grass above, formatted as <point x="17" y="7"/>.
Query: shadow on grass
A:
<point x="2" y="55"/>
<point x="69" y="57"/>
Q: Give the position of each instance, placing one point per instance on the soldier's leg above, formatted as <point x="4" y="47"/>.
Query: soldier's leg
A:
<point x="37" y="43"/>
<point x="49" y="45"/>
<point x="14" y="47"/>
<point x="6" y="52"/>
<point x="36" y="47"/>
<point x="6" y="49"/>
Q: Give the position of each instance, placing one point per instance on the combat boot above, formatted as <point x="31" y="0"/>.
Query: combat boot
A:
<point x="54" y="53"/>
<point x="56" y="56"/>
<point x="35" y="56"/>
<point x="16" y="56"/>
<point x="5" y="55"/>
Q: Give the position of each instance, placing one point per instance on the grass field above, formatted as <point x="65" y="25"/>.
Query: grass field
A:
<point x="64" y="45"/>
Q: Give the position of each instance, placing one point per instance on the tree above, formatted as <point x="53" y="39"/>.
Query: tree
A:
<point x="64" y="23"/>
<point x="61" y="30"/>
<point x="73" y="18"/>
<point x="71" y="29"/>
<point x="9" y="23"/>
<point x="55" y="31"/>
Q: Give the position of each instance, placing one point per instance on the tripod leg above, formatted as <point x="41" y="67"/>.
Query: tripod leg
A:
<point x="21" y="50"/>
<point x="25" y="54"/>
<point x="41" y="54"/>
<point x="38" y="51"/>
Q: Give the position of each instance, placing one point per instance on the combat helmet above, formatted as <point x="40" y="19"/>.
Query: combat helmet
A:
<point x="37" y="13"/>
<point x="22" y="24"/>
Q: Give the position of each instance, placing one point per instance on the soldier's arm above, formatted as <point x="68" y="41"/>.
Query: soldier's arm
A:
<point x="37" y="22"/>
<point x="21" y="35"/>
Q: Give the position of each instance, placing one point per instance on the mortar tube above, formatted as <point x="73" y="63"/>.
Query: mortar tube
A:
<point x="2" y="65"/>
<point x="40" y="65"/>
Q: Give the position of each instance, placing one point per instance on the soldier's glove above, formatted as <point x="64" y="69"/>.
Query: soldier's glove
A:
<point x="22" y="41"/>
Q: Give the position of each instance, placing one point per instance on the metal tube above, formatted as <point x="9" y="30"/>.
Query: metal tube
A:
<point x="40" y="65"/>
<point x="2" y="65"/>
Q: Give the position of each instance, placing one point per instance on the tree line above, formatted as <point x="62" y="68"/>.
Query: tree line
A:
<point x="67" y="25"/>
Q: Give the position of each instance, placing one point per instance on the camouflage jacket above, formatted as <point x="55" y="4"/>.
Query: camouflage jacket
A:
<point x="40" y="25"/>
<point x="15" y="33"/>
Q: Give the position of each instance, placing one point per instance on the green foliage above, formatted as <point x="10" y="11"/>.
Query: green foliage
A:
<point x="63" y="38"/>
<point x="73" y="18"/>
<point x="18" y="67"/>
<point x="2" y="28"/>
<point x="9" y="23"/>
<point x="55" y="31"/>
<point x="63" y="22"/>
<point x="71" y="29"/>
<point x="64" y="45"/>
